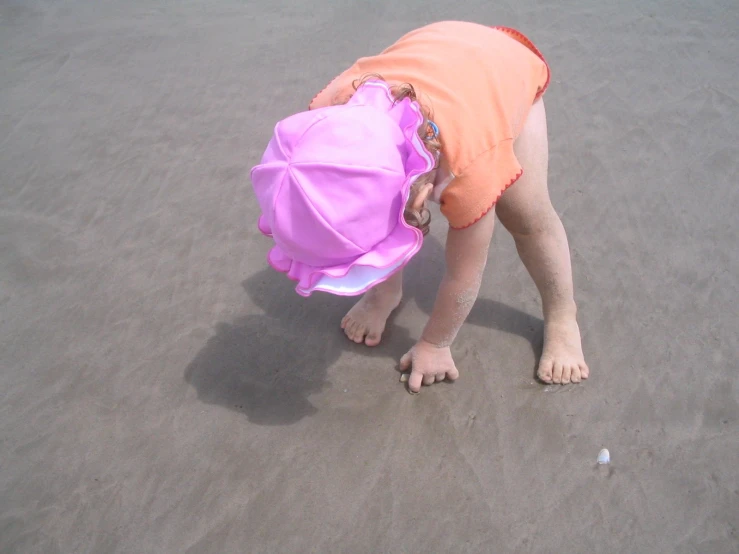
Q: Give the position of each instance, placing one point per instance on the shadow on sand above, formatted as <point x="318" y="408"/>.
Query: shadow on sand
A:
<point x="267" y="365"/>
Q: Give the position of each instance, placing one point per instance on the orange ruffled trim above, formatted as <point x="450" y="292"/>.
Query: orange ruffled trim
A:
<point x="331" y="82"/>
<point x="523" y="39"/>
<point x="483" y="214"/>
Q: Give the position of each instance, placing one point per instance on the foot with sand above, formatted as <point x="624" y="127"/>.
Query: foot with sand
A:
<point x="562" y="360"/>
<point x="366" y="321"/>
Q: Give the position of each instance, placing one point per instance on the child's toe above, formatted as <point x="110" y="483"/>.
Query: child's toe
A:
<point x="557" y="373"/>
<point x="566" y="373"/>
<point x="576" y="376"/>
<point x="350" y="329"/>
<point x="545" y="371"/>
<point x="584" y="371"/>
<point x="373" y="339"/>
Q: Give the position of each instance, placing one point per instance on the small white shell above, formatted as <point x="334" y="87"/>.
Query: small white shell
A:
<point x="604" y="457"/>
<point x="404" y="377"/>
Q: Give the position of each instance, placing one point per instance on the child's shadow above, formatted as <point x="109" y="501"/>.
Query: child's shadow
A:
<point x="267" y="365"/>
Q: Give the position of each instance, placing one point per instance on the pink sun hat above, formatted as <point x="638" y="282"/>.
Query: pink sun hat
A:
<point x="332" y="186"/>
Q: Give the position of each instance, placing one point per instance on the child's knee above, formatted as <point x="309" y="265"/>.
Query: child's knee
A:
<point x="527" y="220"/>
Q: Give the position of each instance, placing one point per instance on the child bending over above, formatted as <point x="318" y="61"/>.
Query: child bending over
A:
<point x="451" y="113"/>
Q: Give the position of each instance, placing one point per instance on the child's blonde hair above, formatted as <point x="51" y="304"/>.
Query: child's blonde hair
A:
<point x="421" y="220"/>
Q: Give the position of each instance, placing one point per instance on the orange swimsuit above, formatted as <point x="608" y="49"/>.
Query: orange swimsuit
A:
<point x="479" y="83"/>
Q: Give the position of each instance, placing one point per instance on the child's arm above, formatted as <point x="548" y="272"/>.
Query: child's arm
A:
<point x="466" y="255"/>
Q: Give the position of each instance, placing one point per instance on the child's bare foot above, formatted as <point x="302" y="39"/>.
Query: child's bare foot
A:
<point x="562" y="361"/>
<point x="366" y="320"/>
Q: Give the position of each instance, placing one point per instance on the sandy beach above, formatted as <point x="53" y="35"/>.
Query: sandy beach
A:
<point x="163" y="390"/>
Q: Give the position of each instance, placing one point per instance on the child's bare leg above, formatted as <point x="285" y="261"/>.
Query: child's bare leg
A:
<point x="526" y="211"/>
<point x="366" y="320"/>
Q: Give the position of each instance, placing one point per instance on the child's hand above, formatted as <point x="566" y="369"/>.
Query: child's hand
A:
<point x="429" y="364"/>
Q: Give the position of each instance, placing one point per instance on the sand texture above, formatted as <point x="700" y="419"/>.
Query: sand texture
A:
<point x="162" y="390"/>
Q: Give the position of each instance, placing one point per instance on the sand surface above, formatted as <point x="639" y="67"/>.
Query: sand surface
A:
<point x="161" y="390"/>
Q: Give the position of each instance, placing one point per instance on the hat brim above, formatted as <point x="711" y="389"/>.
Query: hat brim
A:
<point x="359" y="275"/>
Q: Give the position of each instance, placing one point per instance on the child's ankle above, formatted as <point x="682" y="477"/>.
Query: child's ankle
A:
<point x="562" y="311"/>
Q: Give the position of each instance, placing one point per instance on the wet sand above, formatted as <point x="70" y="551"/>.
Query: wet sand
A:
<point x="161" y="390"/>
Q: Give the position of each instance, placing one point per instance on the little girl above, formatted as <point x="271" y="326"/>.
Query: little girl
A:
<point x="450" y="113"/>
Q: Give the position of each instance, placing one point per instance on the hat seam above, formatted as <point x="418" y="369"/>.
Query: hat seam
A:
<point x="316" y="120"/>
<point x="320" y="215"/>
